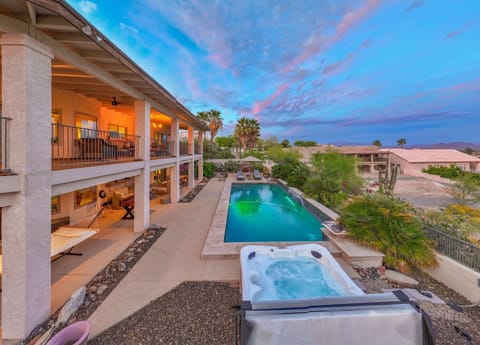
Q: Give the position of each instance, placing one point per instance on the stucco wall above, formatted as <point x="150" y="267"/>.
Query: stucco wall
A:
<point x="69" y="103"/>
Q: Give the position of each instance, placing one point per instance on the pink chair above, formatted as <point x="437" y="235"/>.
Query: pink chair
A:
<point x="76" y="334"/>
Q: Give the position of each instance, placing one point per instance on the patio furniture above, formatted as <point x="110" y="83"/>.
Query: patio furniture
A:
<point x="222" y="176"/>
<point x="256" y="175"/>
<point x="128" y="205"/>
<point x="76" y="334"/>
<point x="97" y="148"/>
<point x="240" y="176"/>
<point x="65" y="238"/>
<point x="120" y="195"/>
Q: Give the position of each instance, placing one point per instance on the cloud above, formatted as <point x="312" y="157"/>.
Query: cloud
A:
<point x="259" y="106"/>
<point x="317" y="42"/>
<point x="455" y="33"/>
<point x="414" y="5"/>
<point x="87" y="6"/>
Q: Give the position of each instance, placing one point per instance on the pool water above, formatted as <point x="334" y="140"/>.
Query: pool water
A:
<point x="266" y="213"/>
<point x="299" y="278"/>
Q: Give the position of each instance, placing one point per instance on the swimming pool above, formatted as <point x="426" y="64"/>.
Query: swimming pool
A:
<point x="266" y="213"/>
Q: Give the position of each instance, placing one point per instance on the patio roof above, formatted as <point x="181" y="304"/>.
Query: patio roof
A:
<point x="433" y="156"/>
<point x="85" y="60"/>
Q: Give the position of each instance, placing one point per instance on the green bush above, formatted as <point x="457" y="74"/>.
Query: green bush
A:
<point x="334" y="177"/>
<point x="453" y="172"/>
<point x="390" y="226"/>
<point x="208" y="169"/>
<point x="291" y="170"/>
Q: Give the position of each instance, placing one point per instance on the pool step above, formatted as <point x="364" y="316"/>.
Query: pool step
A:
<point x="353" y="253"/>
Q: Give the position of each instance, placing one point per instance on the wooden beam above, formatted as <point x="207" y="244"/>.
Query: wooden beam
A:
<point x="32" y="12"/>
<point x="55" y="23"/>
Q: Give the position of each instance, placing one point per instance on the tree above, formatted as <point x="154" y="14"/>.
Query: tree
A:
<point x="213" y="119"/>
<point x="401" y="142"/>
<point x="377" y="143"/>
<point x="305" y="143"/>
<point x="334" y="177"/>
<point x="285" y="143"/>
<point x="469" y="151"/>
<point x="247" y="132"/>
<point x="228" y="141"/>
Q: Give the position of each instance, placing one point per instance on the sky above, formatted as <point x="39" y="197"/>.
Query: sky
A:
<point x="325" y="70"/>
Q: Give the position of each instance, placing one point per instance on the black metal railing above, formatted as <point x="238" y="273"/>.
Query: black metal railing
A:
<point x="162" y="150"/>
<point x="184" y="147"/>
<point x="196" y="149"/>
<point x="4" y="142"/>
<point x="461" y="251"/>
<point x="75" y="146"/>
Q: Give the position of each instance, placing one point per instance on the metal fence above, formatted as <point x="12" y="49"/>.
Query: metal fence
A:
<point x="74" y="146"/>
<point x="461" y="251"/>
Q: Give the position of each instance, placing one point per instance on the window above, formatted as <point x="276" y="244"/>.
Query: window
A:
<point x="86" y="126"/>
<point x="56" y="120"/>
<point x="117" y="131"/>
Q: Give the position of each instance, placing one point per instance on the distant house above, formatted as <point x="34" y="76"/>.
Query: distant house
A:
<point x="369" y="158"/>
<point x="412" y="161"/>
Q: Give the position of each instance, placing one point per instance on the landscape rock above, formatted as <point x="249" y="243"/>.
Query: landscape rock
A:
<point x="101" y="289"/>
<point x="400" y="279"/>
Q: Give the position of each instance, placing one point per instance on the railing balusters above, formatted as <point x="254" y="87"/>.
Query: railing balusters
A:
<point x="462" y="251"/>
<point x="75" y="146"/>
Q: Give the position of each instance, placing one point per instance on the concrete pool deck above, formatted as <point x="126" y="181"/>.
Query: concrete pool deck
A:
<point x="175" y="257"/>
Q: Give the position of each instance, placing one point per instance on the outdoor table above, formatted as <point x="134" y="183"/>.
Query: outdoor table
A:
<point x="128" y="205"/>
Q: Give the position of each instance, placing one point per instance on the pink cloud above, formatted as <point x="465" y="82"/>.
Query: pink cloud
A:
<point x="259" y="106"/>
<point x="315" y="44"/>
<point x="352" y="18"/>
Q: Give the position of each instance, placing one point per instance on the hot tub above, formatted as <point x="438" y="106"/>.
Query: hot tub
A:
<point x="300" y="295"/>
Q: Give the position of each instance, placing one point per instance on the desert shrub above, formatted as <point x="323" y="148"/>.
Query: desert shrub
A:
<point x="333" y="179"/>
<point x="208" y="169"/>
<point x="460" y="221"/>
<point x="390" y="226"/>
<point x="291" y="170"/>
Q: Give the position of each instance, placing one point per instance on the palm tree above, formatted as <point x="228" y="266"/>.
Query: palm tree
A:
<point x="377" y="143"/>
<point x="401" y="142"/>
<point x="247" y="132"/>
<point x="213" y="119"/>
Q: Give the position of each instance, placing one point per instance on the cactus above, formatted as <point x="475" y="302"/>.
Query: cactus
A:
<point x="387" y="180"/>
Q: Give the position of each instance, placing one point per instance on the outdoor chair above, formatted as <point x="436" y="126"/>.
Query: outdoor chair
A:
<point x="240" y="176"/>
<point x="256" y="175"/>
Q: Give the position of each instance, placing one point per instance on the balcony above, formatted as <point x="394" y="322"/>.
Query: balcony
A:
<point x="162" y="150"/>
<point x="75" y="147"/>
<point x="185" y="148"/>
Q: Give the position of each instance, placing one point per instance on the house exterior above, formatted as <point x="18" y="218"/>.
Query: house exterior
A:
<point x="78" y="117"/>
<point x="369" y="158"/>
<point x="412" y="161"/>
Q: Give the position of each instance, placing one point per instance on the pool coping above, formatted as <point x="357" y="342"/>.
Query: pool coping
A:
<point x="215" y="247"/>
<point x="339" y="246"/>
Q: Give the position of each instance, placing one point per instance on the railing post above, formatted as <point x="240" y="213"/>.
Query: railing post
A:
<point x="5" y="166"/>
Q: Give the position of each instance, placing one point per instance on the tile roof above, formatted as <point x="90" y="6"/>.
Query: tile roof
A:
<point x="433" y="155"/>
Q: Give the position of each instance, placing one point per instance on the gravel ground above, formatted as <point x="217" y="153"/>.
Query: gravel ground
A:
<point x="451" y="327"/>
<point x="191" y="314"/>
<point x="200" y="313"/>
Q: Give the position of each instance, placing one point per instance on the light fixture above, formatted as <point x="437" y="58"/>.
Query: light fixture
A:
<point x="114" y="102"/>
<point x="87" y="30"/>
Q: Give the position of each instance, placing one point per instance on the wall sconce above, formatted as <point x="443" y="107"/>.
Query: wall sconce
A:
<point x="157" y="125"/>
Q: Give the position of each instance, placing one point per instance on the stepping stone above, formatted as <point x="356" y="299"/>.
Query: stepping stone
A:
<point x="400" y="279"/>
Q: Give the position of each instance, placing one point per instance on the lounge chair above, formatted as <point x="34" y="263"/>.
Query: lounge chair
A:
<point x="256" y="175"/>
<point x="65" y="238"/>
<point x="240" y="175"/>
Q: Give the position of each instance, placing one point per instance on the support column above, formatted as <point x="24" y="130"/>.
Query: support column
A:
<point x="142" y="181"/>
<point x="26" y="96"/>
<point x="191" y="164"/>
<point x="175" y="171"/>
<point x="200" y="162"/>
